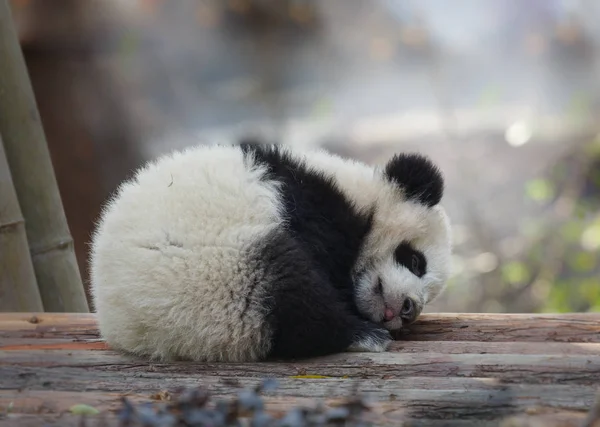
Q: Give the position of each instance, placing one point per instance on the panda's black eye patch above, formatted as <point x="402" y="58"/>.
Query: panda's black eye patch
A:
<point x="410" y="258"/>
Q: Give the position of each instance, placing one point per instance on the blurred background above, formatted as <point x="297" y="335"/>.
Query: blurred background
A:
<point x="503" y="94"/>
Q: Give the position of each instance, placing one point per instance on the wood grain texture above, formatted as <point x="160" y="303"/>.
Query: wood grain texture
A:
<point x="532" y="370"/>
<point x="482" y="328"/>
<point x="575" y="327"/>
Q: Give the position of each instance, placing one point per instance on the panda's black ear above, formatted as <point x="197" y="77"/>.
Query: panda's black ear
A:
<point x="419" y="178"/>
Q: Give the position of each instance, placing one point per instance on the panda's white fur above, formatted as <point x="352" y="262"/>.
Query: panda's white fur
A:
<point x="176" y="269"/>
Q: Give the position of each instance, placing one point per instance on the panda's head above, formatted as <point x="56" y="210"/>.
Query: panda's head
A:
<point x="405" y="261"/>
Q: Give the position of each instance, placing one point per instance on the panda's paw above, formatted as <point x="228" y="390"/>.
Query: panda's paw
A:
<point x="374" y="340"/>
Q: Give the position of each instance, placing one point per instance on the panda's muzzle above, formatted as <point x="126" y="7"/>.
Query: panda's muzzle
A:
<point x="408" y="312"/>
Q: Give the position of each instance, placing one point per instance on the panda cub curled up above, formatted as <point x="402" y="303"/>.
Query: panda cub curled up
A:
<point x="250" y="252"/>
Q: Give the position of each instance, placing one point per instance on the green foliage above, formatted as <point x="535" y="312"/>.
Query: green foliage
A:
<point x="558" y="299"/>
<point x="582" y="261"/>
<point x="589" y="290"/>
<point x="573" y="295"/>
<point x="571" y="231"/>
<point x="566" y="256"/>
<point x="516" y="272"/>
<point x="540" y="190"/>
<point x="590" y="236"/>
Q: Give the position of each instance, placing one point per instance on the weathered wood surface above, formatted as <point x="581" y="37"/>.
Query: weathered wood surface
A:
<point x="447" y="370"/>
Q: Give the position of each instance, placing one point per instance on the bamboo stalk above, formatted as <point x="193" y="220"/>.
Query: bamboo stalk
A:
<point x="18" y="286"/>
<point x="50" y="241"/>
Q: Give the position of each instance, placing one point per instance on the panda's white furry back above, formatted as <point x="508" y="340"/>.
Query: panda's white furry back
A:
<point x="248" y="252"/>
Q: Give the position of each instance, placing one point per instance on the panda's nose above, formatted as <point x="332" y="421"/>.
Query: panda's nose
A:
<point x="408" y="313"/>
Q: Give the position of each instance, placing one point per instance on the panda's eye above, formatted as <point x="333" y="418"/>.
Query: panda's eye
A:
<point x="411" y="259"/>
<point x="415" y="265"/>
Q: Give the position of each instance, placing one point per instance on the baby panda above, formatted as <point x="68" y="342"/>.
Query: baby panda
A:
<point x="251" y="252"/>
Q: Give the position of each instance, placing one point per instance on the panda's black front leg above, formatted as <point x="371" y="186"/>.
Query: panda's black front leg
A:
<point x="370" y="337"/>
<point x="307" y="315"/>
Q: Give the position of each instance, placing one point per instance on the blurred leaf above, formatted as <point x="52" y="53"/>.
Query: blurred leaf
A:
<point x="81" y="409"/>
<point x="589" y="289"/>
<point x="539" y="190"/>
<point x="590" y="238"/>
<point x="558" y="300"/>
<point x="581" y="211"/>
<point x="571" y="231"/>
<point x="535" y="253"/>
<point x="582" y="261"/>
<point x="515" y="272"/>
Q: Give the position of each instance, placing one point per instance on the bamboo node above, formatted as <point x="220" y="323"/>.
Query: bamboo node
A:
<point x="11" y="225"/>
<point x="53" y="246"/>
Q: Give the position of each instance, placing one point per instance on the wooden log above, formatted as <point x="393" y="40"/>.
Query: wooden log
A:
<point x="405" y="384"/>
<point x="50" y="242"/>
<point x="510" y="368"/>
<point x="417" y="404"/>
<point x="545" y="419"/>
<point x="475" y="404"/>
<point x="572" y="327"/>
<point x="49" y="362"/>
<point x="593" y="417"/>
<point x="84" y="342"/>
<point x="18" y="286"/>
